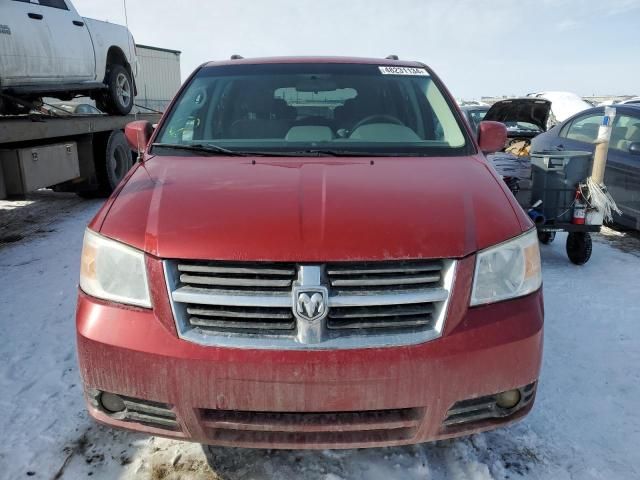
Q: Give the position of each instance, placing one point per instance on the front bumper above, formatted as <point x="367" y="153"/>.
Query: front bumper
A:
<point x="264" y="398"/>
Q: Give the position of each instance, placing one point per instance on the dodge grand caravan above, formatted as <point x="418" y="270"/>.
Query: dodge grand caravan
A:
<point x="311" y="253"/>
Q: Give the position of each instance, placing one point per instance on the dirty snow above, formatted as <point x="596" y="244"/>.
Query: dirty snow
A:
<point x="585" y="424"/>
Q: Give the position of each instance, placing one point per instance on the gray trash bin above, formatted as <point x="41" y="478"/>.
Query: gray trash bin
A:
<point x="554" y="178"/>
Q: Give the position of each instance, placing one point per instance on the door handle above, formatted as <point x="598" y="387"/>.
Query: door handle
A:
<point x="35" y="16"/>
<point x="78" y="23"/>
<point x="560" y="147"/>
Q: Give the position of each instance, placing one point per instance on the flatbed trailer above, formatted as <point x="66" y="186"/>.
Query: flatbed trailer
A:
<point x="86" y="154"/>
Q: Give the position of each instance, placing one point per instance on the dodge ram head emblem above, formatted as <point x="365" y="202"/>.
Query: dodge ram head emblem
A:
<point x="310" y="303"/>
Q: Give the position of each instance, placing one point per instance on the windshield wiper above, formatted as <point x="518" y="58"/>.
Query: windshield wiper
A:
<point x="210" y="149"/>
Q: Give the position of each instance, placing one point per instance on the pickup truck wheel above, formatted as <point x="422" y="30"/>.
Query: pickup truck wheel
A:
<point x="579" y="247"/>
<point x="118" y="159"/>
<point x="119" y="97"/>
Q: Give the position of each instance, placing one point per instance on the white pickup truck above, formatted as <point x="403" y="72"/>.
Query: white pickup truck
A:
<point x="48" y="49"/>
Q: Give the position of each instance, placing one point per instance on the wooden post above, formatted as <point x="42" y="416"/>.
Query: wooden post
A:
<point x="602" y="146"/>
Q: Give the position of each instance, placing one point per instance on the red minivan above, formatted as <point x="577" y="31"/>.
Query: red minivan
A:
<point x="311" y="253"/>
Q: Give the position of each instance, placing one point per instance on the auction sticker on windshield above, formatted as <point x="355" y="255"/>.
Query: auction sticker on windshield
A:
<point x="388" y="70"/>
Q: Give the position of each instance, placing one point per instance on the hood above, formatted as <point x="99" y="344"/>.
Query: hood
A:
<point x="311" y="209"/>
<point x="563" y="105"/>
<point x="530" y="110"/>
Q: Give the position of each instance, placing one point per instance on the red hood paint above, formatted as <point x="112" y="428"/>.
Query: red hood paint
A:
<point x="312" y="209"/>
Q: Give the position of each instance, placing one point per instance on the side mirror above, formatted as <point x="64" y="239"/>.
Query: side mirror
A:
<point x="634" y="148"/>
<point x="138" y="134"/>
<point x="492" y="136"/>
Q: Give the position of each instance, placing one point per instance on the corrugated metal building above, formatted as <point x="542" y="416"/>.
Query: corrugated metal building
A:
<point x="158" y="76"/>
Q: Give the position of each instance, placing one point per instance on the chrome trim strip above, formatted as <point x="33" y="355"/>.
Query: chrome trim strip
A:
<point x="227" y="299"/>
<point x="234" y="282"/>
<point x="234" y="270"/>
<point x="385" y="281"/>
<point x="423" y="296"/>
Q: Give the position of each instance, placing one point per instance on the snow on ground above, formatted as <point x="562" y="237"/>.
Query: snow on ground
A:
<point x="584" y="426"/>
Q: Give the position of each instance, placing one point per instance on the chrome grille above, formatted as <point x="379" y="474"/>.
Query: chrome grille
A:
<point x="367" y="303"/>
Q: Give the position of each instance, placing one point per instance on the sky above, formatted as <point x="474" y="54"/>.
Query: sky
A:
<point x="489" y="47"/>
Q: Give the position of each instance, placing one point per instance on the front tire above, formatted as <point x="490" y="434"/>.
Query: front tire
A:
<point x="118" y="100"/>
<point x="579" y="247"/>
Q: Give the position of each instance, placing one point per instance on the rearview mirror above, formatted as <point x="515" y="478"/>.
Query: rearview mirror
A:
<point x="492" y="136"/>
<point x="634" y="148"/>
<point x="138" y="134"/>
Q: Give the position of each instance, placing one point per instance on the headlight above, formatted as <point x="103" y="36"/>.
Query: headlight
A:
<point x="509" y="270"/>
<point x="113" y="271"/>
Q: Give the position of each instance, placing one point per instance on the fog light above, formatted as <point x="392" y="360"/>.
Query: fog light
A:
<point x="111" y="402"/>
<point x="508" y="399"/>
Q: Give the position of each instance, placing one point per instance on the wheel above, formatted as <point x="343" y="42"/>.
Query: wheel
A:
<point x="113" y="159"/>
<point x="118" y="100"/>
<point x="546" y="237"/>
<point x="118" y="159"/>
<point x="579" y="247"/>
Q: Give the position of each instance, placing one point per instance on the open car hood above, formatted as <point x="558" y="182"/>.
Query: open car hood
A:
<point x="530" y="110"/>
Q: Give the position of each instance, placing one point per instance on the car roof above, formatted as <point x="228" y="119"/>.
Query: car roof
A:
<point x="631" y="109"/>
<point x="344" y="60"/>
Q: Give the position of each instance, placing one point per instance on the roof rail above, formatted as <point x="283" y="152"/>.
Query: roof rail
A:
<point x="236" y="57"/>
<point x="393" y="57"/>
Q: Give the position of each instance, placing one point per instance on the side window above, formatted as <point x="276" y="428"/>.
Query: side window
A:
<point x="583" y="129"/>
<point x="54" y="4"/>
<point x="626" y="130"/>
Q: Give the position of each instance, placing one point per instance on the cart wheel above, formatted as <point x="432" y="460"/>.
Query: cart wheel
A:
<point x="579" y="247"/>
<point x="546" y="237"/>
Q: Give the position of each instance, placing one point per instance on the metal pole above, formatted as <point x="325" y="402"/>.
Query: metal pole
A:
<point x="602" y="146"/>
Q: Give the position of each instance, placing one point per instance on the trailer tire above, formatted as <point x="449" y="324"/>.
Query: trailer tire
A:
<point x="118" y="159"/>
<point x="546" y="237"/>
<point x="118" y="100"/>
<point x="579" y="247"/>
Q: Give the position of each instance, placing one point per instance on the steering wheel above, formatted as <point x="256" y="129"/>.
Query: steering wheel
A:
<point x="377" y="118"/>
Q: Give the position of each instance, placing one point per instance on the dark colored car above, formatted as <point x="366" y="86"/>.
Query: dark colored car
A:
<point x="622" y="175"/>
<point x="474" y="115"/>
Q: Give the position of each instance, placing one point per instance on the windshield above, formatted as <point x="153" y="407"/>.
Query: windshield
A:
<point x="348" y="108"/>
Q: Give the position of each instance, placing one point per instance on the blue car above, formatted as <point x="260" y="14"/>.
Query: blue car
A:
<point x="622" y="175"/>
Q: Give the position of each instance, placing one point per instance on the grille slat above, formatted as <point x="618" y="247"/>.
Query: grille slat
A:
<point x="240" y="325"/>
<point x="262" y="313"/>
<point x="236" y="270"/>
<point x="233" y="282"/>
<point x="386" y="281"/>
<point x="383" y="311"/>
<point x="371" y="323"/>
